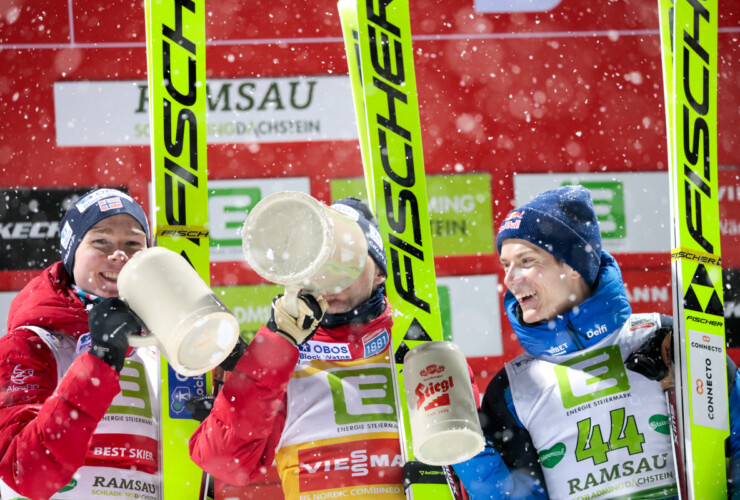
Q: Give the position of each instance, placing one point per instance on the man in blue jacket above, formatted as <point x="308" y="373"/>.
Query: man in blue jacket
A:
<point x="582" y="413"/>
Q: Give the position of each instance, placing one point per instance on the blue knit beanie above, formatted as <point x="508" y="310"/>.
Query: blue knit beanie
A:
<point x="563" y="222"/>
<point x="88" y="211"/>
<point x="358" y="211"/>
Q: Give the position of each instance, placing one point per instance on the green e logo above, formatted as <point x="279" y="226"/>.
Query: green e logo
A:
<point x="593" y="375"/>
<point x="608" y="198"/>
<point x="228" y="209"/>
<point x="364" y="395"/>
<point x="135" y="401"/>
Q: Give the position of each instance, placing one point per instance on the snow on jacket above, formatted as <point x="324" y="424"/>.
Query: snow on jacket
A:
<point x="525" y="407"/>
<point x="49" y="413"/>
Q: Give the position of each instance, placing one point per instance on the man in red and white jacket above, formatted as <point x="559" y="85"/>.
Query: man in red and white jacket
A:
<point x="66" y="429"/>
<point x="316" y="394"/>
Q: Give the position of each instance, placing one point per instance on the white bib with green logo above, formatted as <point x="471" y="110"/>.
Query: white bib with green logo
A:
<point x="341" y="431"/>
<point x="601" y="430"/>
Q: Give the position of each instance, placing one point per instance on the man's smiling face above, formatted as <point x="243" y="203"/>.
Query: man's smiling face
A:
<point x="544" y="286"/>
<point x="103" y="251"/>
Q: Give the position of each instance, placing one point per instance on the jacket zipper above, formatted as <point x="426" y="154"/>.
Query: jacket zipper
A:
<point x="574" y="335"/>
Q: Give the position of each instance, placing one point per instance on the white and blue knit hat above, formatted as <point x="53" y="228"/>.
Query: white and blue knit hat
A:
<point x="360" y="212"/>
<point x="88" y="211"/>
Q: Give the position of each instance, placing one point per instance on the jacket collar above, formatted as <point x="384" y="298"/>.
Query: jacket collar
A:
<point x="603" y="313"/>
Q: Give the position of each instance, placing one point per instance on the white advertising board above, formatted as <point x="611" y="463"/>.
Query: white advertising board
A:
<point x="633" y="209"/>
<point x="289" y="109"/>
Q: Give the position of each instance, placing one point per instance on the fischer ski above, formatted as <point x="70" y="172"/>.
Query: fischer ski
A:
<point x="689" y="49"/>
<point x="179" y="199"/>
<point x="381" y="68"/>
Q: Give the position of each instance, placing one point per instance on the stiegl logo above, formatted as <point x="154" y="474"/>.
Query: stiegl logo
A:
<point x="431" y="370"/>
<point x="439" y="389"/>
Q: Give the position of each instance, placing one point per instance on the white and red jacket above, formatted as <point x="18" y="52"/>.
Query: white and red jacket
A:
<point x="66" y="429"/>
<point x="325" y="412"/>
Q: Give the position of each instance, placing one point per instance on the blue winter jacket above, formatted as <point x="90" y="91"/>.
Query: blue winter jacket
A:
<point x="510" y="468"/>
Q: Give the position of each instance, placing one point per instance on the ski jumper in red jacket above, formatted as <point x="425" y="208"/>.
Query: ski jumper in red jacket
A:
<point x="48" y="422"/>
<point x="326" y="407"/>
<point x="67" y="431"/>
<point x="318" y="400"/>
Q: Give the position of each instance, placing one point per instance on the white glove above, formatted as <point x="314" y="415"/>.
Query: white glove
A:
<point x="301" y="329"/>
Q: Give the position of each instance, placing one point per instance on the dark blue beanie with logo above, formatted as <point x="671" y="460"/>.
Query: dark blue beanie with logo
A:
<point x="90" y="209"/>
<point x="562" y="222"/>
<point x="358" y="211"/>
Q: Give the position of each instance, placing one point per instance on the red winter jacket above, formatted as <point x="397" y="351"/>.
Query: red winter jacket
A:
<point x="46" y="424"/>
<point x="237" y="442"/>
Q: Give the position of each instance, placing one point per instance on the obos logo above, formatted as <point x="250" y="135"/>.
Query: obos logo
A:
<point x="315" y="349"/>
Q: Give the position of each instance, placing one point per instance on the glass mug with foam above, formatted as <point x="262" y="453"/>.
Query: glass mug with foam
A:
<point x="292" y="239"/>
<point x="183" y="317"/>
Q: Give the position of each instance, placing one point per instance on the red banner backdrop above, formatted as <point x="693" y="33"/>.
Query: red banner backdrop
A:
<point x="576" y="88"/>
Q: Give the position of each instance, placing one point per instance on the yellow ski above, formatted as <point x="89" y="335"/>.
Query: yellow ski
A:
<point x="176" y="65"/>
<point x="689" y="47"/>
<point x="381" y="66"/>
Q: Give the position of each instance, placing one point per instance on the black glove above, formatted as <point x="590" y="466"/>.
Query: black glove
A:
<point x="233" y="358"/>
<point x="200" y="406"/>
<point x="297" y="330"/>
<point x="650" y="359"/>
<point x="110" y="322"/>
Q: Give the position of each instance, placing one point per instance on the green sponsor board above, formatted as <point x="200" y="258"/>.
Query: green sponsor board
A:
<point x="445" y="311"/>
<point x="232" y="204"/>
<point x="460" y="213"/>
<point x="608" y="199"/>
<point x="229" y="203"/>
<point x="631" y="207"/>
<point x="251" y="304"/>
